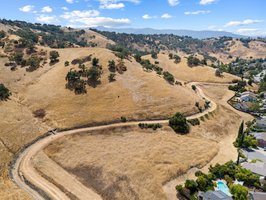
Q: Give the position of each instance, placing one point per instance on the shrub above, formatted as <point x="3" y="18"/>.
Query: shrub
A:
<point x="153" y="126"/>
<point x="192" y="186"/>
<point x="111" y="77"/>
<point x="194" y="87"/>
<point x="123" y="119"/>
<point x="170" y="56"/>
<point x="111" y="65"/>
<point x="2" y="34"/>
<point x="94" y="74"/>
<point x="17" y="57"/>
<point x="239" y="192"/>
<point x="168" y="77"/>
<point x="95" y="62"/>
<point x="40" y="113"/>
<point x="33" y="63"/>
<point x="4" y="92"/>
<point x="194" y="122"/>
<point x="193" y="61"/>
<point x="179" y="123"/>
<point x="177" y="59"/>
<point x="54" y="55"/>
<point x="137" y="57"/>
<point x="154" y="55"/>
<point x="66" y="63"/>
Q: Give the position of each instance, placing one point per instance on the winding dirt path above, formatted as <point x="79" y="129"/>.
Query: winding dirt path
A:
<point x="23" y="170"/>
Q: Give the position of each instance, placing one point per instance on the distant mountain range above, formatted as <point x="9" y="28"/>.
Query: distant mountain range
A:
<point x="194" y="34"/>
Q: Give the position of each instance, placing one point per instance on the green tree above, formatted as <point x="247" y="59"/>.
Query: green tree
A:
<point x="33" y="63"/>
<point x="170" y="56"/>
<point x="194" y="87"/>
<point x="17" y="57"/>
<point x="54" y="55"/>
<point x="94" y="74"/>
<point x="4" y="92"/>
<point x="154" y="55"/>
<point x="169" y="77"/>
<point x="66" y="63"/>
<point x="95" y="62"/>
<point x="250" y="141"/>
<point x="177" y="59"/>
<point x="111" y="65"/>
<point x="239" y="192"/>
<point x="137" y="57"/>
<point x="2" y="34"/>
<point x="111" y="77"/>
<point x="179" y="123"/>
<point x="192" y="186"/>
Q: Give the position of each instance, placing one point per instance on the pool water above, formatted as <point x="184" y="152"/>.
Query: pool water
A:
<point x="223" y="187"/>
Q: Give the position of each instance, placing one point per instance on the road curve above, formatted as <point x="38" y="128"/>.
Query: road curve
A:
<point x="26" y="177"/>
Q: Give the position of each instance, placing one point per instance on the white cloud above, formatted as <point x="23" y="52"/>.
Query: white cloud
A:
<point x="112" y="6"/>
<point x="240" y="23"/>
<point x="64" y="8"/>
<point x="206" y="2"/>
<point x="80" y="14"/>
<point x="146" y="16"/>
<point x="173" y="2"/>
<point x="102" y="21"/>
<point x="70" y="1"/>
<point x="47" y="19"/>
<point x="47" y="9"/>
<point x="27" y="8"/>
<point x="197" y="12"/>
<point x="92" y="18"/>
<point x="166" y="16"/>
<point x="115" y="4"/>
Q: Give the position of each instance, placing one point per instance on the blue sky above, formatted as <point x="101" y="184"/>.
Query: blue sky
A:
<point x="246" y="17"/>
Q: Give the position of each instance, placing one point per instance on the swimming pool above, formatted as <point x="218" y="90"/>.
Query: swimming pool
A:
<point x="223" y="187"/>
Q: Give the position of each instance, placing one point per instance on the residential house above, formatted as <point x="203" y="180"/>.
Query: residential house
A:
<point x="261" y="138"/>
<point x="248" y="97"/>
<point x="261" y="123"/>
<point x="213" y="195"/>
<point x="257" y="195"/>
<point x="258" y="168"/>
<point x="243" y="106"/>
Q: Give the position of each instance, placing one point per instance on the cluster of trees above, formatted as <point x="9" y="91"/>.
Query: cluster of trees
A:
<point x="157" y="42"/>
<point x="148" y="66"/>
<point x="46" y="34"/>
<point x="177" y="58"/>
<point x="4" y="92"/>
<point x="2" y="34"/>
<point x="77" y="80"/>
<point x="239" y="86"/>
<point x="168" y="77"/>
<point x="194" y="61"/>
<point x="54" y="55"/>
<point x="244" y="140"/>
<point x="151" y="126"/>
<point x="120" y="51"/>
<point x="33" y="61"/>
<point x="112" y="69"/>
<point x="229" y="172"/>
<point x="179" y="124"/>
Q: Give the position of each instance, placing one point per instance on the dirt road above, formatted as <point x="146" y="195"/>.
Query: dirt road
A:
<point x="23" y="171"/>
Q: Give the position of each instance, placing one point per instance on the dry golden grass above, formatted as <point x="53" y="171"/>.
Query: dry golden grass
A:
<point x="129" y="163"/>
<point x="192" y="74"/>
<point x="256" y="50"/>
<point x="136" y="94"/>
